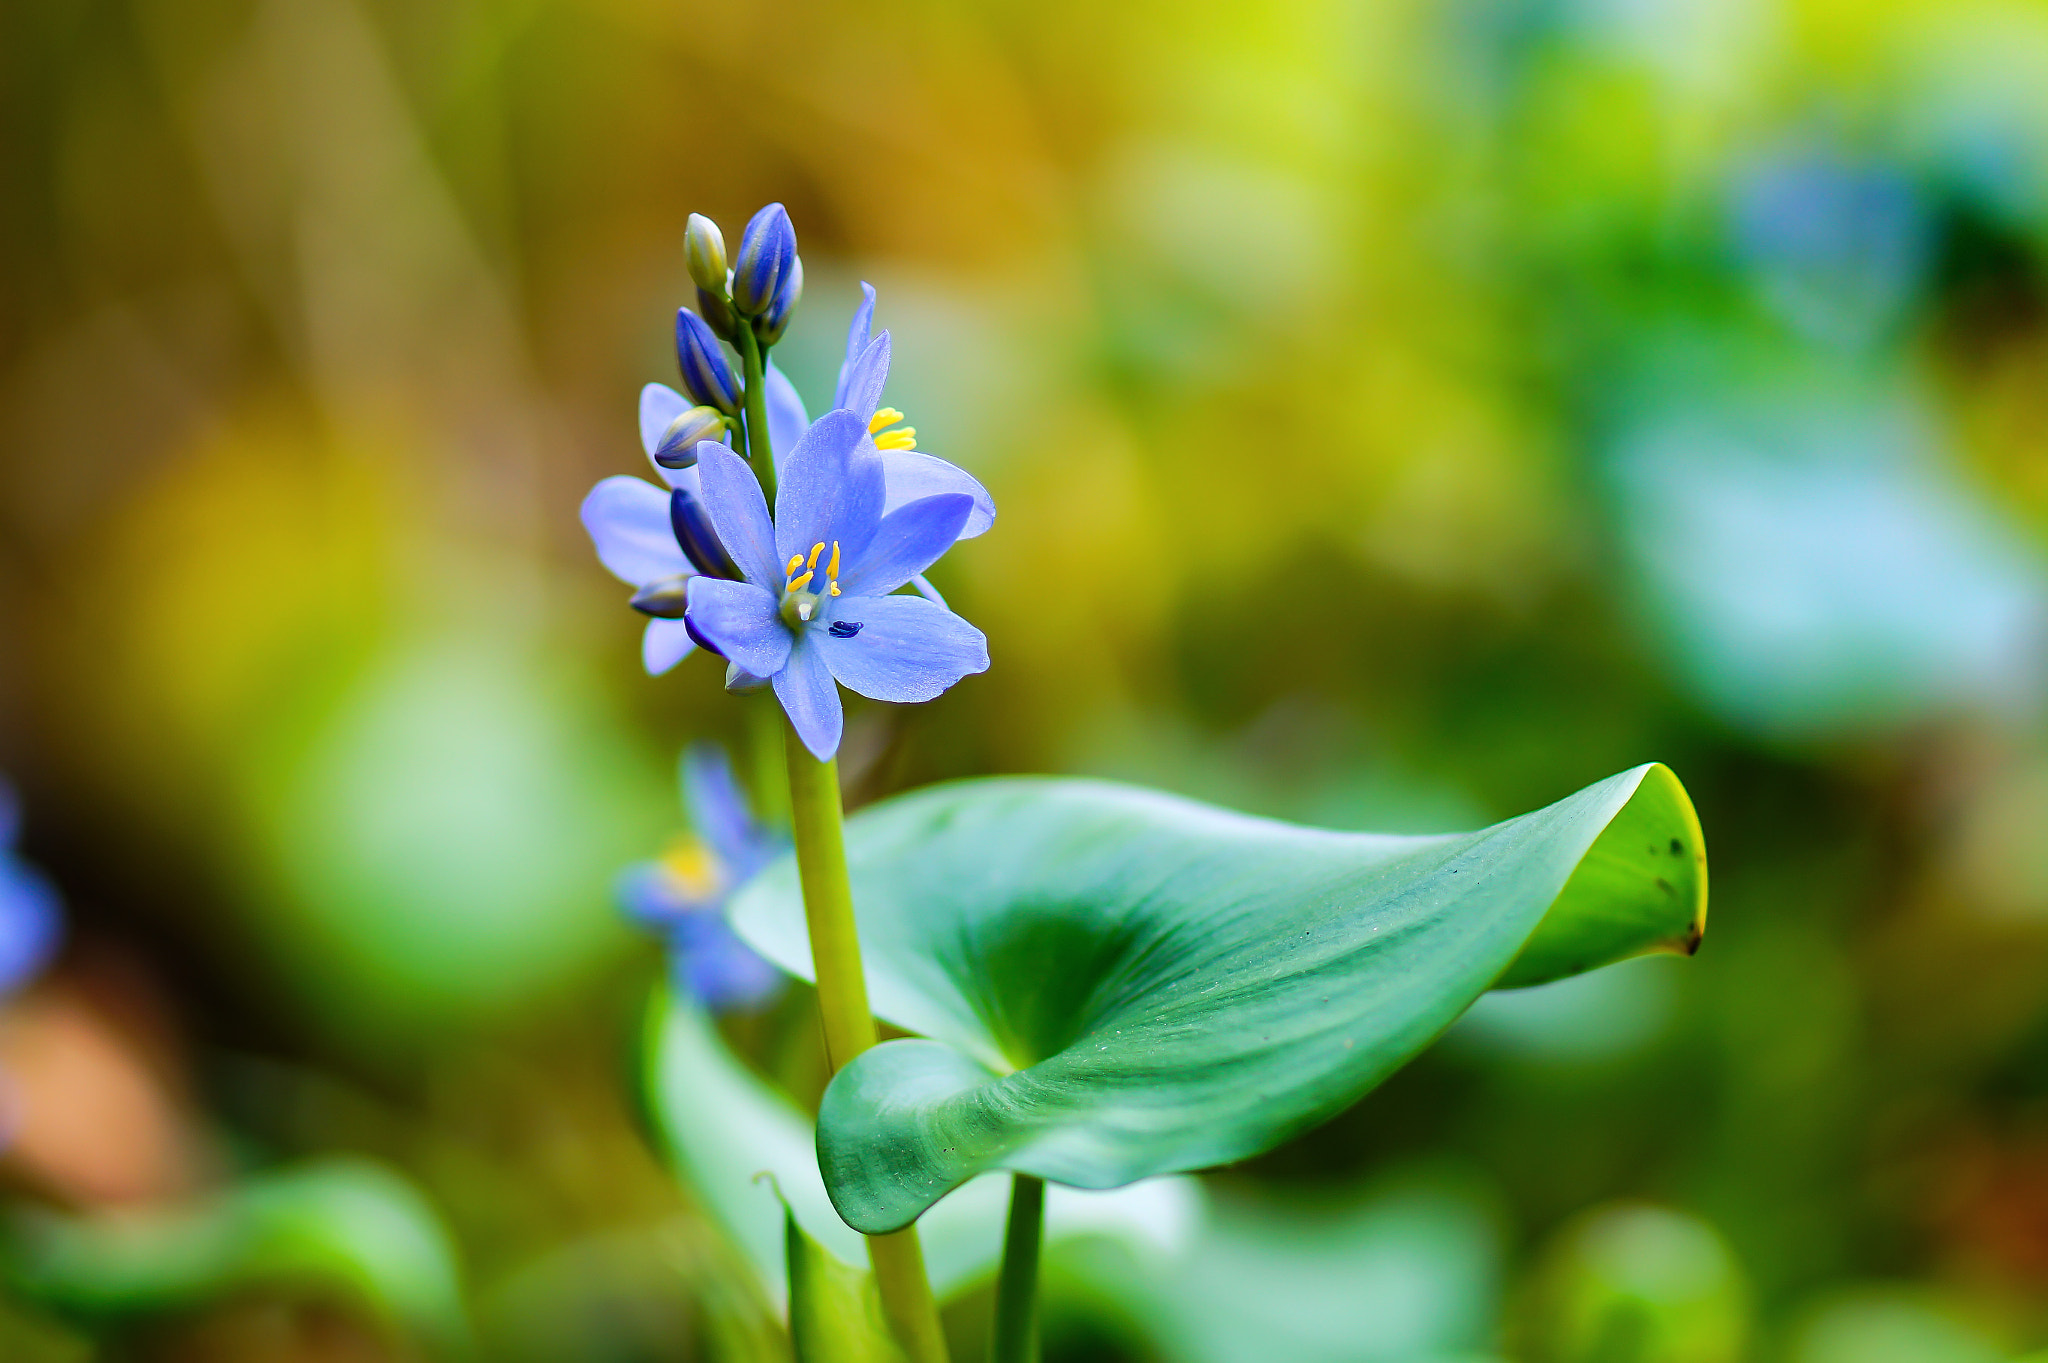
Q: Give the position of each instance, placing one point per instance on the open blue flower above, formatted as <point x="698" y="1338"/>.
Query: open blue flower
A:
<point x="655" y="540"/>
<point x="815" y="604"/>
<point x="31" y="915"/>
<point x="908" y="475"/>
<point x="681" y="894"/>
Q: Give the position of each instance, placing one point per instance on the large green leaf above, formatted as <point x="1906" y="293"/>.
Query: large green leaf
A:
<point x="1117" y="984"/>
<point x="723" y="1126"/>
<point x="835" y="1313"/>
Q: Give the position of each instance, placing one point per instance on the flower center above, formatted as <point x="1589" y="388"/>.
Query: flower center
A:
<point x="800" y="593"/>
<point x="692" y="869"/>
<point x="901" y="438"/>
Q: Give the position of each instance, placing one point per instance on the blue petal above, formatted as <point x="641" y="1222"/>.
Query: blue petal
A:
<point x="742" y="621"/>
<point x="31" y="922"/>
<point x="832" y="489"/>
<point x="907" y="648"/>
<point x="660" y="405"/>
<point x="810" y="699"/>
<point x="786" y="416"/>
<point x="666" y="643"/>
<point x="628" y="522"/>
<point x="648" y="895"/>
<point x="856" y="339"/>
<point x="865" y="377"/>
<point x="911" y="477"/>
<point x="718" y="811"/>
<point x="907" y="542"/>
<point x="710" y="961"/>
<point x="732" y="494"/>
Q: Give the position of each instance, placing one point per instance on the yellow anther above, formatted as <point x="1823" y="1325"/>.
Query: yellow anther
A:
<point x="902" y="438"/>
<point x="789" y="569"/>
<point x="797" y="584"/>
<point x="832" y="566"/>
<point x="835" y="589"/>
<point x="885" y="416"/>
<point x="816" y="550"/>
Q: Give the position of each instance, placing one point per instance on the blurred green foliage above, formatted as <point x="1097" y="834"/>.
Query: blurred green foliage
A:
<point x="1401" y="414"/>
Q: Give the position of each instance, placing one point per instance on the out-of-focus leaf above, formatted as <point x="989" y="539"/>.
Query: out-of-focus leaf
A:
<point x="835" y="1314"/>
<point x="1120" y="984"/>
<point x="1891" y="1323"/>
<point x="1401" y="1274"/>
<point x="341" y="1227"/>
<point x="1633" y="1285"/>
<point x="723" y="1126"/>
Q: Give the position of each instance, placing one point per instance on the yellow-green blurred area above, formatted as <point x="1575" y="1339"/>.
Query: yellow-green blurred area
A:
<point x="1400" y="415"/>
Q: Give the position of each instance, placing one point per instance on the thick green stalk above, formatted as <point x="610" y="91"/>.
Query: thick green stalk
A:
<point x="818" y="824"/>
<point x="1016" y="1332"/>
<point x="760" y="448"/>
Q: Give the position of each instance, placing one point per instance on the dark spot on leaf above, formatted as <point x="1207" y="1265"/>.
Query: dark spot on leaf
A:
<point x="1664" y="885"/>
<point x="1677" y="848"/>
<point x="844" y="629"/>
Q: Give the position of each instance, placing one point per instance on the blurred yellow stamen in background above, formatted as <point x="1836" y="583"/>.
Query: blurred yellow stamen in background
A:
<point x="884" y="416"/>
<point x="693" y="867"/>
<point x="902" y="438"/>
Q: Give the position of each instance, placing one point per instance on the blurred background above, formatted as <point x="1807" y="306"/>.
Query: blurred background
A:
<point x="1400" y="414"/>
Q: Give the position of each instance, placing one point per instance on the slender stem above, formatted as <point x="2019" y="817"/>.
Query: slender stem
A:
<point x="818" y="824"/>
<point x="760" y="446"/>
<point x="1016" y="1333"/>
<point x="764" y="750"/>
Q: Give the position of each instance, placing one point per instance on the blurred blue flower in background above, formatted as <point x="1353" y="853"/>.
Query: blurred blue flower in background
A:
<point x="31" y="915"/>
<point x="1838" y="246"/>
<point x="681" y="894"/>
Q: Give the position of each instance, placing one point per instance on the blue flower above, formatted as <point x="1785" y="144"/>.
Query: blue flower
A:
<point x="907" y="474"/>
<point x="815" y="604"/>
<point x="766" y="260"/>
<point x="641" y="533"/>
<point x="681" y="895"/>
<point x="31" y="915"/>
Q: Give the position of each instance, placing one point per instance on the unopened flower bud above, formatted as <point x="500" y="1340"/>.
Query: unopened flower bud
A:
<point x="767" y="251"/>
<point x="664" y="599"/>
<point x="678" y="447"/>
<point x="717" y="314"/>
<point x="707" y="377"/>
<point x="770" y="325"/>
<point x="700" y="543"/>
<point x="704" y="253"/>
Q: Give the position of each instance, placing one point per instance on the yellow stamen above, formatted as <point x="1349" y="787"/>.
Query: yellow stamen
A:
<point x="884" y="416"/>
<point x="692" y="866"/>
<point x="790" y="567"/>
<point x="797" y="584"/>
<point x="816" y="550"/>
<point x="835" y="589"/>
<point x="832" y="566"/>
<point x="902" y="438"/>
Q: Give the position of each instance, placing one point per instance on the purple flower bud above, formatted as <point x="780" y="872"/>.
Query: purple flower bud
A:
<point x="664" y="599"/>
<point x="699" y="541"/>
<point x="767" y="253"/>
<point x="707" y="377"/>
<point x="770" y="325"/>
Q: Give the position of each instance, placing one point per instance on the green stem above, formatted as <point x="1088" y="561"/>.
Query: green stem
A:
<point x="760" y="446"/>
<point x="1016" y="1334"/>
<point x="817" y="821"/>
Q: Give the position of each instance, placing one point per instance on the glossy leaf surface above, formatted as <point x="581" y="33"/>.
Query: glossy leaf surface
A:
<point x="1117" y="984"/>
<point x="723" y="1127"/>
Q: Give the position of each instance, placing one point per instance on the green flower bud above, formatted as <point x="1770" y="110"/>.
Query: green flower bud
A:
<point x="704" y="252"/>
<point x="717" y="314"/>
<point x="664" y="600"/>
<point x="678" y="447"/>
